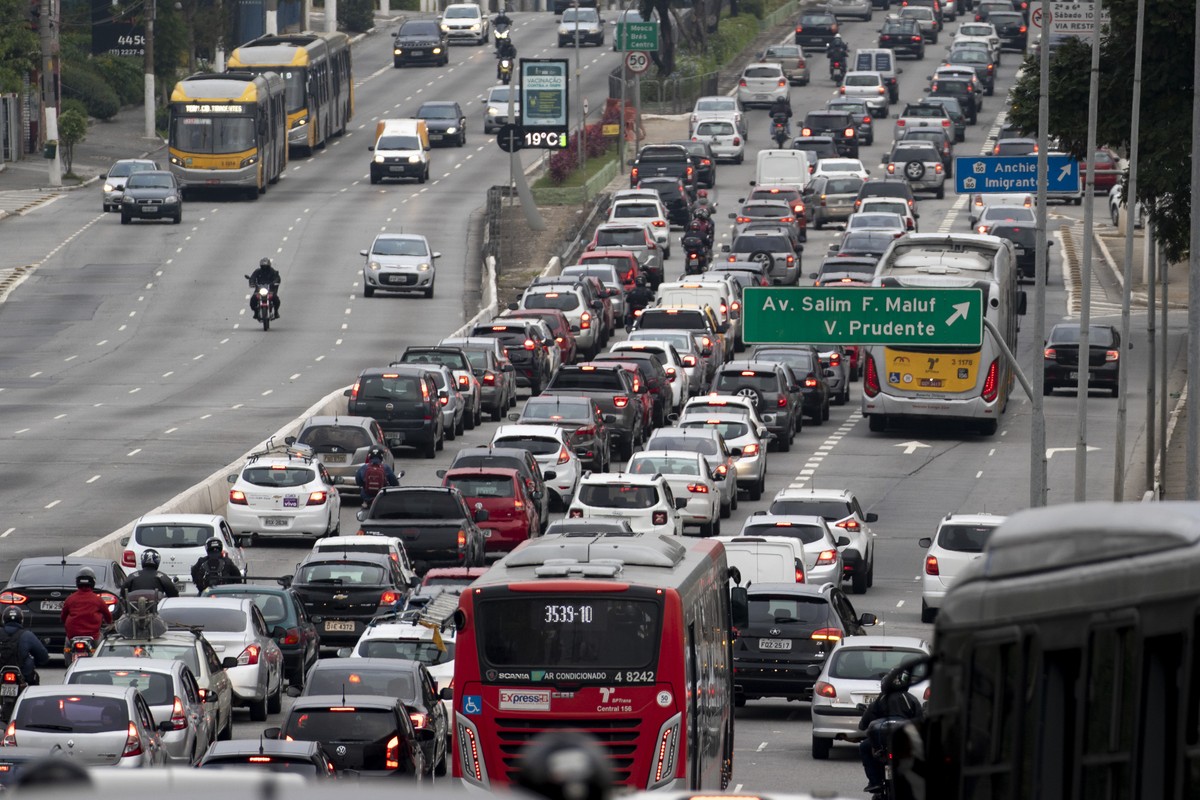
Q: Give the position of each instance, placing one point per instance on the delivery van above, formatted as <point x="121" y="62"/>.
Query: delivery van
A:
<point x="401" y="150"/>
<point x="765" y="559"/>
<point x="782" y="168"/>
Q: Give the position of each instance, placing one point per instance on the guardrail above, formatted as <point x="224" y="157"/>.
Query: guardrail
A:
<point x="779" y="15"/>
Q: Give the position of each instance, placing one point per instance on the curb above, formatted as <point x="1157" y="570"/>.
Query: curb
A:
<point x="1111" y="262"/>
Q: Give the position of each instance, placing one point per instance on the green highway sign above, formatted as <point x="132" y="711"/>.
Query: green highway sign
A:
<point x="863" y="315"/>
<point x="637" y="36"/>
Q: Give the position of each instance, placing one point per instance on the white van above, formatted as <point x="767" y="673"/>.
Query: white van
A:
<point x="765" y="559"/>
<point x="401" y="150"/>
<point x="883" y="61"/>
<point x="782" y="168"/>
<point x="686" y="293"/>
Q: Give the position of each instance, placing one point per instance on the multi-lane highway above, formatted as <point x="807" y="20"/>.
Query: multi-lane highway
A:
<point x="130" y="370"/>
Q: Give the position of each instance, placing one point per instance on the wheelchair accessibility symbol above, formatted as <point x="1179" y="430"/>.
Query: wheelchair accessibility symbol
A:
<point x="472" y="704"/>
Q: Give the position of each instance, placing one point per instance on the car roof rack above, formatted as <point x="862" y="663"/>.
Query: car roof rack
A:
<point x="294" y="451"/>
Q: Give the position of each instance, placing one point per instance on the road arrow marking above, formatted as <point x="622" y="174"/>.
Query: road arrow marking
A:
<point x="1064" y="173"/>
<point x="1050" y="451"/>
<point x="910" y="447"/>
<point x="960" y="312"/>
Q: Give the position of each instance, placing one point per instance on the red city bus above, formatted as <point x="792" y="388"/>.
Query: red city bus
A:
<point x="621" y="636"/>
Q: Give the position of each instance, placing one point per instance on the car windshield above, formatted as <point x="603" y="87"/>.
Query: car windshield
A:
<point x="437" y="112"/>
<point x="692" y="444"/>
<point x="123" y="169"/>
<point x="538" y="445"/>
<point x="790" y="610"/>
<point x="67" y="713"/>
<point x="418" y="504"/>
<point x="334" y="438"/>
<point x="1098" y="335"/>
<point x="580" y="14"/>
<point x="498" y="95"/>
<point x="483" y="485"/>
<point x="419" y="29"/>
<point x="855" y="663"/>
<point x="733" y="381"/>
<point x="225" y="620"/>
<point x="399" y="143"/>
<point x="862" y="80"/>
<point x="150" y="180"/>
<point x="156" y="687"/>
<point x="341" y="573"/>
<point x="272" y="606"/>
<point x="172" y="535"/>
<point x="462" y="12"/>
<point x="563" y="301"/>
<point x="829" y="510"/>
<point x="587" y="380"/>
<point x="543" y="410"/>
<point x="964" y="538"/>
<point x="167" y="652"/>
<point x="341" y="724"/>
<point x="807" y="534"/>
<point x="389" y="246"/>
<point x="618" y="495"/>
<point x="728" y="429"/>
<point x="386" y="682"/>
<point x="621" y="237"/>
<point x="422" y="650"/>
<point x="654" y="463"/>
<point x="279" y="476"/>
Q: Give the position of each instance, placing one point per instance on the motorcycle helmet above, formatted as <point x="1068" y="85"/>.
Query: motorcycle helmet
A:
<point x="703" y="194"/>
<point x="266" y="262"/>
<point x="640" y="280"/>
<point x="85" y="578"/>
<point x="13" y="614"/>
<point x="898" y="680"/>
<point x="703" y="213"/>
<point x="214" y="547"/>
<point x="375" y="452"/>
<point x="151" y="559"/>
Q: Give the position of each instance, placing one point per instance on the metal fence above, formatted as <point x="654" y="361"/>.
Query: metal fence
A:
<point x="779" y="15"/>
<point x="674" y="94"/>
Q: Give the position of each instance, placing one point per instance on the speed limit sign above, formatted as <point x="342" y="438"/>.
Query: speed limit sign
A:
<point x="637" y="62"/>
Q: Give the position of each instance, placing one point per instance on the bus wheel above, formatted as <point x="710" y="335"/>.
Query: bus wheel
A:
<point x="988" y="427"/>
<point x="877" y="423"/>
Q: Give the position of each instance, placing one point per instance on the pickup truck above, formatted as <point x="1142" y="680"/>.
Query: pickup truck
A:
<point x="923" y="115"/>
<point x="665" y="161"/>
<point x="434" y="523"/>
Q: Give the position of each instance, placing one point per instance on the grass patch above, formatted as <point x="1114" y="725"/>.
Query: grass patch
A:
<point x="578" y="177"/>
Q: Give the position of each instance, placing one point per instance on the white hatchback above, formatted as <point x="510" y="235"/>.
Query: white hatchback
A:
<point x="822" y="561"/>
<point x="179" y="540"/>
<point x="761" y="84"/>
<point x="553" y="450"/>
<point x="723" y="137"/>
<point x="689" y="477"/>
<point x="959" y="540"/>
<point x="871" y="87"/>
<point x="651" y="211"/>
<point x="841" y="167"/>
<point x="284" y="494"/>
<point x="646" y="502"/>
<point x="402" y="637"/>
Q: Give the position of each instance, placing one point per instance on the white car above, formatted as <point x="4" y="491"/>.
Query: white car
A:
<point x="890" y="205"/>
<point x="689" y="477"/>
<point x="840" y="508"/>
<point x="841" y="167"/>
<point x="761" y="84"/>
<point x="984" y="32"/>
<point x="284" y="494"/>
<point x="720" y="107"/>
<point x="495" y="112"/>
<point x="179" y="540"/>
<point x="981" y="201"/>
<point x="235" y="628"/>
<point x="465" y="21"/>
<point x="745" y="441"/>
<point x="628" y="210"/>
<point x="723" y="137"/>
<point x="822" y="561"/>
<point x="870" y="87"/>
<point x="113" y="190"/>
<point x="709" y="443"/>
<point x="404" y="637"/>
<point x="391" y="546"/>
<point x="399" y="262"/>
<point x="959" y="540"/>
<point x="715" y="403"/>
<point x="646" y="502"/>
<point x="677" y="375"/>
<point x="992" y="216"/>
<point x="553" y="451"/>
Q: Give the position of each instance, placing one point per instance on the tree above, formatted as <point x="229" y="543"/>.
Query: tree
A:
<point x="664" y="59"/>
<point x="1164" y="181"/>
<point x="19" y="49"/>
<point x="72" y="128"/>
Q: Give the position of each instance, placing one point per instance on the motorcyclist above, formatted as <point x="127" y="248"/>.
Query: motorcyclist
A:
<point x="781" y="111"/>
<point x="265" y="275"/>
<point x="214" y="568"/>
<point x="371" y="479"/>
<point x="31" y="653"/>
<point x="702" y="224"/>
<point x="84" y="612"/>
<point x="893" y="702"/>
<point x="148" y="578"/>
<point x="703" y="201"/>
<point x="640" y="296"/>
<point x="505" y="49"/>
<point x="501" y="20"/>
<point x="837" y="52"/>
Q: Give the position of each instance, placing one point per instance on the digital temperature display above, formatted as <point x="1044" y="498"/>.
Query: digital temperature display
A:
<point x="546" y="139"/>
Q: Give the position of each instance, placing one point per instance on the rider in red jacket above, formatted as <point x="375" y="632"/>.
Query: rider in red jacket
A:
<point x="84" y="611"/>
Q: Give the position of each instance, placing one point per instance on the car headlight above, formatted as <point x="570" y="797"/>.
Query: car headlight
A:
<point x="437" y="51"/>
<point x="423" y="267"/>
<point x="378" y="159"/>
<point x="452" y="129"/>
<point x="172" y="198"/>
<point x="474" y="26"/>
<point x="397" y="52"/>
<point x="108" y="187"/>
<point x="414" y="159"/>
<point x="374" y="266"/>
<point x="492" y="111"/>
<point x="126" y="199"/>
<point x="444" y="28"/>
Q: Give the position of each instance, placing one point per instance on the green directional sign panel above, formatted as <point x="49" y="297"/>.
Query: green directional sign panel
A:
<point x="637" y="36"/>
<point x="909" y="317"/>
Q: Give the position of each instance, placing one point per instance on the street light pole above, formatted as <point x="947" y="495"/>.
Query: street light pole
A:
<point x="579" y="94"/>
<point x="149" y="99"/>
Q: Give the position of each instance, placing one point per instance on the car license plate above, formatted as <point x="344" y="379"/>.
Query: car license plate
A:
<point x="339" y="626"/>
<point x="395" y="169"/>
<point x="1019" y="251"/>
<point x="291" y="501"/>
<point x="8" y="690"/>
<point x="335" y="458"/>
<point x="760" y="97"/>
<point x="416" y="52"/>
<point x="275" y="522"/>
<point x="147" y="209"/>
<point x="1075" y="375"/>
<point x="51" y="605"/>
<point x="774" y="644"/>
<point x="931" y="383"/>
<point x="396" y="438"/>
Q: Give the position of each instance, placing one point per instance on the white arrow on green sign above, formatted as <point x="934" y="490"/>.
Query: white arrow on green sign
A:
<point x="862" y="315"/>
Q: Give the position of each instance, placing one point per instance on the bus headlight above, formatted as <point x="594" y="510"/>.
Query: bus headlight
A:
<point x="251" y="161"/>
<point x="414" y="159"/>
<point x="300" y="122"/>
<point x="177" y="161"/>
<point x="378" y="159"/>
<point x="450" y="130"/>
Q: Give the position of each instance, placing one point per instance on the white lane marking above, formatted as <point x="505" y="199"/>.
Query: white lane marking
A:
<point x="70" y="358"/>
<point x="60" y="416"/>
<point x="991" y="452"/>
<point x="52" y="504"/>
<point x="92" y="479"/>
<point x="979" y="474"/>
<point x="102" y="342"/>
<point x="133" y="452"/>
<point x="34" y="375"/>
<point x="237" y="406"/>
<point x="23" y="430"/>
<point x="761" y="747"/>
<point x="899" y="604"/>
<point x="169" y="430"/>
<point x="294" y="376"/>
<point x="6" y="533"/>
<point x="135" y="390"/>
<point x="267" y="392"/>
<point x="206" y="416"/>
<point x="168" y="374"/>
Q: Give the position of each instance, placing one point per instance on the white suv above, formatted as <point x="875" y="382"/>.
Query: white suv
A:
<point x="646" y="502"/>
<point x="959" y="540"/>
<point x="179" y="540"/>
<point x="465" y="21"/>
<point x="284" y="494"/>
<point x="841" y="509"/>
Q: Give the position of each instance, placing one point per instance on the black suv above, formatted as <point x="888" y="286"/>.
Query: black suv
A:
<point x="805" y="363"/>
<point x="420" y="41"/>
<point x="657" y="381"/>
<point x="674" y="195"/>
<point x="375" y="738"/>
<point x="524" y="346"/>
<point x="816" y="29"/>
<point x="665" y="161"/>
<point x="887" y="188"/>
<point x="612" y="389"/>
<point x="856" y="107"/>
<point x="404" y="400"/>
<point x="770" y="388"/>
<point x="903" y="35"/>
<point x="1011" y="28"/>
<point x="839" y="125"/>
<point x="706" y="162"/>
<point x="785" y="633"/>
<point x="446" y="122"/>
<point x="961" y="90"/>
<point x="823" y="146"/>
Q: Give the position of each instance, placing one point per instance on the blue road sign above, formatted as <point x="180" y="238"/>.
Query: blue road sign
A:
<point x="995" y="174"/>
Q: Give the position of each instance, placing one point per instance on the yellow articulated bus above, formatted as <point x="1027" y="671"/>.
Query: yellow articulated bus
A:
<point x="317" y="77"/>
<point x="228" y="131"/>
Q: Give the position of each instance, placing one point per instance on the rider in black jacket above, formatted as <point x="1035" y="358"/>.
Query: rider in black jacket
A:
<point x="640" y="296"/>
<point x="148" y="578"/>
<point x="893" y="701"/>
<point x="266" y="274"/>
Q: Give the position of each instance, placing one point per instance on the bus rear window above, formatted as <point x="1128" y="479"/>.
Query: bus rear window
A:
<point x="595" y="633"/>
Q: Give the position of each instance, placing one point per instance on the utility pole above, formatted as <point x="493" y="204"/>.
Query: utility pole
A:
<point x="150" y="98"/>
<point x="1192" y="456"/>
<point x="579" y="93"/>
<point x="331" y="16"/>
<point x="1037" y="437"/>
<point x="48" y="37"/>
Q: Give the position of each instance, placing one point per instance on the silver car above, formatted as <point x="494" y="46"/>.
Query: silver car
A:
<point x="342" y="444"/>
<point x="454" y="405"/>
<point x="919" y="163"/>
<point x="113" y="189"/>
<point x="762" y="84"/>
<point x="959" y="541"/>
<point x="171" y="691"/>
<point x="100" y="726"/>
<point x="870" y="86"/>
<point x="745" y="440"/>
<point x="583" y="25"/>
<point x="822" y="561"/>
<point x="235" y="628"/>
<point x="495" y="112"/>
<point x="636" y="237"/>
<point x="399" y="262"/>
<point x="771" y="248"/>
<point x="720" y="107"/>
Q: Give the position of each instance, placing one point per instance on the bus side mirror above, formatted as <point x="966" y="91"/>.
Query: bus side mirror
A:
<point x="1021" y="303"/>
<point x="739" y="607"/>
<point x="735" y="575"/>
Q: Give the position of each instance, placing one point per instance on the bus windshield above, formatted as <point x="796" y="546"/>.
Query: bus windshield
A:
<point x="576" y="632"/>
<point x="294" y="93"/>
<point x="214" y="135"/>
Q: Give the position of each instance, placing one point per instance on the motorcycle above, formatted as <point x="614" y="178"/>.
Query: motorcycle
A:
<point x="78" y="647"/>
<point x="12" y="683"/>
<point x="504" y="71"/>
<point x="837" y="71"/>
<point x="779" y="130"/>
<point x="266" y="303"/>
<point x="698" y="254"/>
<point x="502" y="34"/>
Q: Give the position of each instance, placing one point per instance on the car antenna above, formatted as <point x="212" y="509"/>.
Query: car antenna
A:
<point x="343" y="693"/>
<point x="260" y="744"/>
<point x="63" y="556"/>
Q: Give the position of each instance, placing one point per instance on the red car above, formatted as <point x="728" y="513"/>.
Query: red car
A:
<point x="625" y="261"/>
<point x="512" y="514"/>
<point x="1108" y="169"/>
<point x="559" y="326"/>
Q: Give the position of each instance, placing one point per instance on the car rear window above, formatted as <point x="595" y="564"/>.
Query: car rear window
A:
<point x="416" y="505"/>
<point x="787" y="611"/>
<point x="227" y="620"/>
<point x="862" y="80"/>
<point x="618" y="495"/>
<point x="714" y="129"/>
<point x="51" y="574"/>
<point x="807" y="534"/>
<point x="692" y="444"/>
<point x="484" y="485"/>
<point x="829" y="510"/>
<point x="587" y="381"/>
<point x="1018" y="235"/>
<point x="635" y="210"/>
<point x="377" y="549"/>
<point x="172" y="536"/>
<point x="771" y="244"/>
<point x="1069" y="334"/>
<point x="663" y="465"/>
<point x="450" y="360"/>
<point x="278" y="476"/>
<point x="252" y="761"/>
<point x="800" y="361"/>
<point x="622" y="237"/>
<point x="843" y="186"/>
<point x="419" y="29"/>
<point x="964" y="538"/>
<point x="167" y="652"/>
<point x="272" y="606"/>
<point x="334" y="438"/>
<point x="343" y="724"/>
<point x="68" y="713"/>
<point x="550" y="411"/>
<point x="761" y="72"/>
<point x="424" y="651"/>
<point x="389" y="387"/>
<point x="867" y="664"/>
<point x="538" y="445"/>
<point x="563" y="301"/>
<point x="157" y="688"/>
<point x="339" y="573"/>
<point x="728" y="382"/>
<point x="389" y="683"/>
<point x="727" y="428"/>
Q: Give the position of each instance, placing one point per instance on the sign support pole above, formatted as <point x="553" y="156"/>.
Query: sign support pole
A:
<point x="517" y="175"/>
<point x="637" y="104"/>
<point x="1037" y="434"/>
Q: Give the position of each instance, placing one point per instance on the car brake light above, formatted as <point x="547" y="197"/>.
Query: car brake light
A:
<point x="870" y="378"/>
<point x="463" y="381"/>
<point x="659" y="518"/>
<point x="108" y="598"/>
<point x="900" y="123"/>
<point x="237" y="497"/>
<point x="133" y="742"/>
<point x="823" y="689"/>
<point x="317" y="498"/>
<point x="291" y="636"/>
<point x="249" y="656"/>
<point x="1022" y="29"/>
<point x="740" y="220"/>
<point x="697" y="488"/>
<point x="178" y="718"/>
<point x="826" y="635"/>
<point x="931" y="566"/>
<point x="489" y="378"/>
<point x="585" y="321"/>
<point x="841" y="90"/>
<point x="13" y="598"/>
<point x="10" y="735"/>
<point x="620" y="401"/>
<point x="564" y="455"/>
<point x="891" y="168"/>
<point x="354" y="392"/>
<point x="689" y="361"/>
<point x="937" y="168"/>
<point x="419" y="720"/>
<point x="799" y="574"/>
<point x="991" y="384"/>
<point x="742" y="82"/>
<point x="575" y="513"/>
<point x="389" y="598"/>
<point x="835" y="359"/>
<point x="392" y="758"/>
<point x="799" y="29"/>
<point x="129" y="559"/>
<point x="750" y="450"/>
<point x="781" y="401"/>
<point x="1112" y="355"/>
<point x="810" y="383"/>
<point x="849" y="525"/>
<point x="826" y="557"/>
<point x="461" y="539"/>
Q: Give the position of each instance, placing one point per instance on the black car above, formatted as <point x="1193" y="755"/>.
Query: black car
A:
<point x="805" y="363"/>
<point x="961" y="90"/>
<point x="665" y="161"/>
<point x="652" y="373"/>
<point x="887" y="188"/>
<point x="362" y="734"/>
<point x="39" y="585"/>
<point x="300" y="643"/>
<point x="816" y="29"/>
<point x="846" y="270"/>
<point x="863" y="243"/>
<point x="706" y="162"/>
<point x="838" y="125"/>
<point x="674" y="195"/>
<point x="1060" y="368"/>
<point x="979" y="60"/>
<point x="152" y="194"/>
<point x="342" y="592"/>
<point x="823" y="146"/>
<point x="1011" y="28"/>
<point x="954" y="110"/>
<point x="403" y="399"/>
<point x="611" y="387"/>
<point x="408" y="681"/>
<point x="420" y="41"/>
<point x="1023" y="235"/>
<point x="523" y="346"/>
<point x="903" y="35"/>
<point x="307" y="759"/>
<point x="784" y="634"/>
<point x="857" y="108"/>
<point x="446" y="122"/>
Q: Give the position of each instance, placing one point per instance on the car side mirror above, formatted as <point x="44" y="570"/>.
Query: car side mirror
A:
<point x="842" y="541"/>
<point x="514" y="416"/>
<point x="508" y="368"/>
<point x="872" y="517"/>
<point x="732" y="216"/>
<point x="293" y="691"/>
<point x="124" y="541"/>
<point x="346" y="393"/>
<point x="739" y="602"/>
<point x="680" y="503"/>
<point x="361" y="514"/>
<point x="370" y="147"/>
<point x="165" y="727"/>
<point x="812" y="275"/>
<point x="362" y="252"/>
<point x="925" y="541"/>
<point x="446" y="693"/>
<point x="868" y="619"/>
<point x="829" y="373"/>
<point x="724" y="248"/>
<point x="272" y="733"/>
<point x="777" y="281"/>
<point x="813" y="670"/>
<point x="610" y="418"/>
<point x="735" y="452"/>
<point x="549" y="475"/>
<point x="229" y="662"/>
<point x="345" y="652"/>
<point x="437" y="255"/>
<point x="231" y="478"/>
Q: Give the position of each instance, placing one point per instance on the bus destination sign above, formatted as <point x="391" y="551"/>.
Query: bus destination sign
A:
<point x="214" y="108"/>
